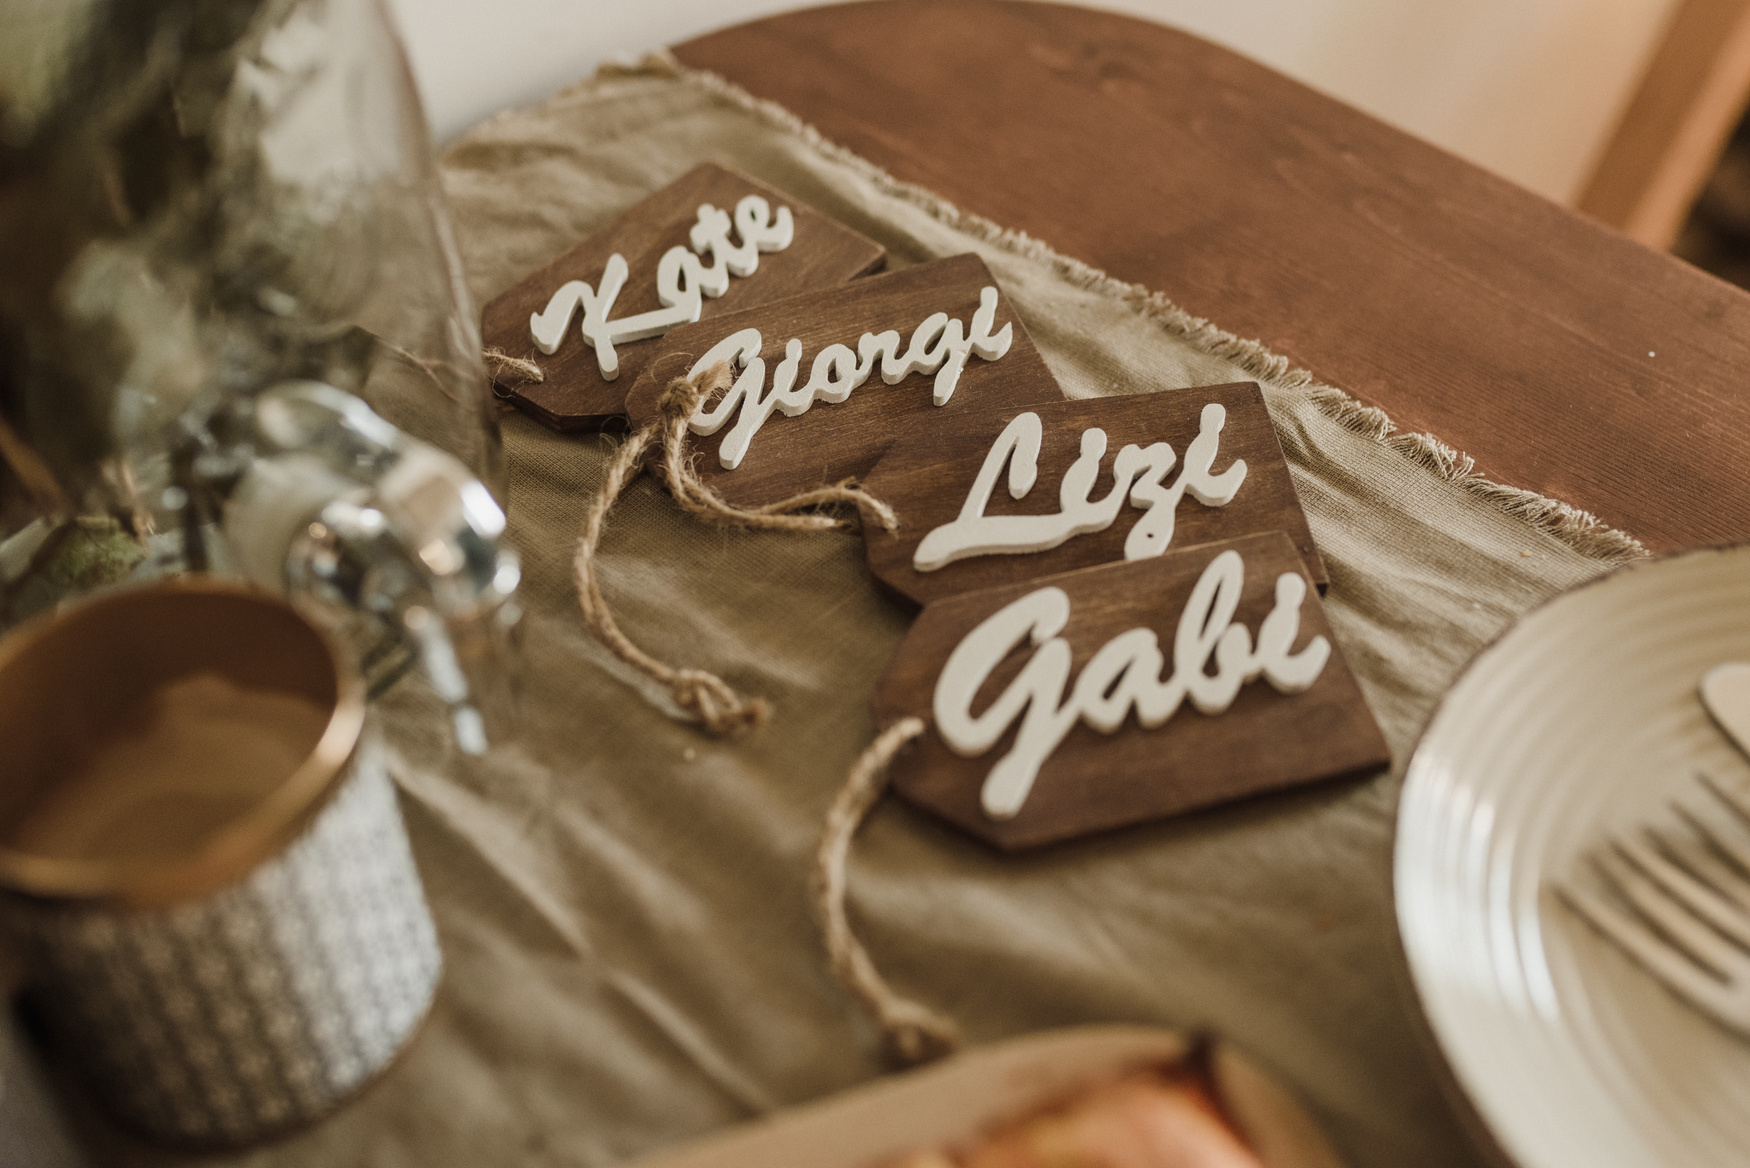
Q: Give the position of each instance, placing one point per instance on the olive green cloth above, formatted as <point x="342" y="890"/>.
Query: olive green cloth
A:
<point x="623" y="903"/>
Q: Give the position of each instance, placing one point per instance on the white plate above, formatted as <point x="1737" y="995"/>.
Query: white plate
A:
<point x="1583" y="720"/>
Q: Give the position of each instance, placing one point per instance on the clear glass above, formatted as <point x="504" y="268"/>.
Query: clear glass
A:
<point x="200" y="199"/>
<point x="234" y="334"/>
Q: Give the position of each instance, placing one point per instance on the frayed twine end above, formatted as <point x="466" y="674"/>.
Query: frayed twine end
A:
<point x="498" y="361"/>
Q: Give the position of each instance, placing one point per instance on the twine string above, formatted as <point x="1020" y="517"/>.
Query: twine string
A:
<point x="679" y="401"/>
<point x="704" y="695"/>
<point x="499" y="361"/>
<point x="914" y="1033"/>
<point x="701" y="693"/>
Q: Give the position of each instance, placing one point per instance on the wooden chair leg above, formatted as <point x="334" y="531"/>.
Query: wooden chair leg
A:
<point x="1689" y="100"/>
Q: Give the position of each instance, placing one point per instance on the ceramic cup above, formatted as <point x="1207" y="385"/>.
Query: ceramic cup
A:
<point x="202" y="861"/>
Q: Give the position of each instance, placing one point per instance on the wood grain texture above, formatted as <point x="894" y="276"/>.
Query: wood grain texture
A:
<point x="1094" y="781"/>
<point x="1463" y="305"/>
<point x="574" y="395"/>
<point x="927" y="472"/>
<point x="835" y="441"/>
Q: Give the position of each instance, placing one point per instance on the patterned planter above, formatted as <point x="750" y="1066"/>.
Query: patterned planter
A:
<point x="255" y="984"/>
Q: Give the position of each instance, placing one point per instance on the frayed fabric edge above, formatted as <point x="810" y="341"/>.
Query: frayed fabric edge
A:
<point x="1580" y="530"/>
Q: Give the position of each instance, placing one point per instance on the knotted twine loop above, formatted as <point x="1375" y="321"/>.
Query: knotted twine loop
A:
<point x="913" y="1032"/>
<point x="702" y="694"/>
<point x="679" y="401"/>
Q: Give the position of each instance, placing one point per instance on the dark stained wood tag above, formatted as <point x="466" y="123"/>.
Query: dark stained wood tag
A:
<point x="878" y="354"/>
<point x="1206" y="465"/>
<point x="574" y="394"/>
<point x="1013" y="682"/>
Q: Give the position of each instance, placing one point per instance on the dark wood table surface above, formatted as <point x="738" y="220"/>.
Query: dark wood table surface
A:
<point x="1563" y="357"/>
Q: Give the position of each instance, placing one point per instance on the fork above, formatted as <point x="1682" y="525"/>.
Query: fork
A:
<point x="1687" y="914"/>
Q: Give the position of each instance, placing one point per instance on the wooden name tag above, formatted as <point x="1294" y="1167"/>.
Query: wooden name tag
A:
<point x="1124" y="693"/>
<point x="712" y="241"/>
<point x="824" y="381"/>
<point x="1006" y="495"/>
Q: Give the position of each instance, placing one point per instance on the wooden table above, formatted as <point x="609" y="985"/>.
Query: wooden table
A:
<point x="1563" y="357"/>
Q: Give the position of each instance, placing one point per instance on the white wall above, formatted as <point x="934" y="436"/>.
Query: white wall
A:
<point x="1529" y="88"/>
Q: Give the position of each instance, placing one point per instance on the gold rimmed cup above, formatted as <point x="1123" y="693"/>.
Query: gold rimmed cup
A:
<point x="203" y="862"/>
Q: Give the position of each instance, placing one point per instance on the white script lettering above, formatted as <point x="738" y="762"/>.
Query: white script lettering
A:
<point x="682" y="281"/>
<point x="1124" y="673"/>
<point x="1137" y="471"/>
<point x="939" y="345"/>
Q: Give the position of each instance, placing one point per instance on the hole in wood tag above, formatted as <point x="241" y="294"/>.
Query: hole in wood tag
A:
<point x="1124" y="693"/>
<point x="711" y="242"/>
<point x="824" y="381"/>
<point x="1000" y="496"/>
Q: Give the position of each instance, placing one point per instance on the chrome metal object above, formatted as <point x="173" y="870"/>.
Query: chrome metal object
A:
<point x="337" y="504"/>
